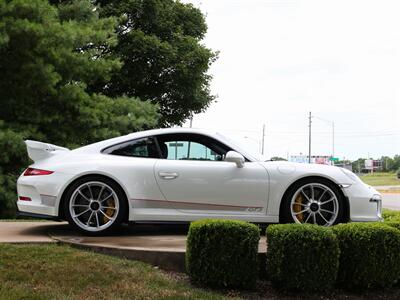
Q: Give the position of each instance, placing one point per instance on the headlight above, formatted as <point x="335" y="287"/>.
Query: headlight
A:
<point x="350" y="175"/>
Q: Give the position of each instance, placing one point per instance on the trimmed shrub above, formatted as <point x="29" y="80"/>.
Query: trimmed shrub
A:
<point x="394" y="224"/>
<point x="370" y="256"/>
<point x="302" y="256"/>
<point x="391" y="215"/>
<point x="222" y="253"/>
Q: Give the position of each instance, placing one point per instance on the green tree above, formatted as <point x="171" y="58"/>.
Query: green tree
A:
<point x="358" y="165"/>
<point x="49" y="57"/>
<point x="12" y="159"/>
<point x="396" y="163"/>
<point x="163" y="59"/>
<point x="387" y="163"/>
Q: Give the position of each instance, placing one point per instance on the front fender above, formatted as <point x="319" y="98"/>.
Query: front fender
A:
<point x="284" y="174"/>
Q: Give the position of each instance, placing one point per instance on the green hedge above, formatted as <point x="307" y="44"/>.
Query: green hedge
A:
<point x="391" y="215"/>
<point x="302" y="257"/>
<point x="394" y="224"/>
<point x="370" y="255"/>
<point x="222" y="253"/>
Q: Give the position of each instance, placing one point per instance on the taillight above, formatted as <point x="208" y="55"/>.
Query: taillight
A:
<point x="23" y="198"/>
<point x="34" y="172"/>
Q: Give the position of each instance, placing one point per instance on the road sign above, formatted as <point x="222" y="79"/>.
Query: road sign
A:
<point x="334" y="159"/>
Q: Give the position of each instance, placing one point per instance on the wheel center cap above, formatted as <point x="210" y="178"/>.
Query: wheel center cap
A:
<point x="314" y="207"/>
<point x="94" y="206"/>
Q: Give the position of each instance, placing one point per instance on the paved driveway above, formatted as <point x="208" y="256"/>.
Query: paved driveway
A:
<point x="27" y="232"/>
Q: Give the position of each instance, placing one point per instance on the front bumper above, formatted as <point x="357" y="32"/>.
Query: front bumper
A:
<point x="378" y="200"/>
<point x="365" y="203"/>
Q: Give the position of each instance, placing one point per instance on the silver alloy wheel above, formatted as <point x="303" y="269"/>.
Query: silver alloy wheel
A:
<point x="314" y="203"/>
<point x="94" y="206"/>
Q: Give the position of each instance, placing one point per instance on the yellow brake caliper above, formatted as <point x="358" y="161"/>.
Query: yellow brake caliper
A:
<point x="109" y="212"/>
<point x="297" y="207"/>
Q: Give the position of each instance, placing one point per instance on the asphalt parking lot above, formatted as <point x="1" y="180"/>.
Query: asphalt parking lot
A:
<point x="391" y="200"/>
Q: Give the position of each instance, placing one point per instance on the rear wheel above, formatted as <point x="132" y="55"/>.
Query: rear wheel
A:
<point x="95" y="205"/>
<point x="313" y="201"/>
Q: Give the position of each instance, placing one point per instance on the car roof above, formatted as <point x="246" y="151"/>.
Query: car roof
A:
<point x="171" y="131"/>
<point x="96" y="147"/>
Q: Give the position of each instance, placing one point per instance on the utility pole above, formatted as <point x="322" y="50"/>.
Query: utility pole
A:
<point x="262" y="140"/>
<point x="191" y="121"/>
<point x="333" y="140"/>
<point x="309" y="137"/>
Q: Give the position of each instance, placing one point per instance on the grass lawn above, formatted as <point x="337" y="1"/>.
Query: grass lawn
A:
<point x="62" y="272"/>
<point x="380" y="179"/>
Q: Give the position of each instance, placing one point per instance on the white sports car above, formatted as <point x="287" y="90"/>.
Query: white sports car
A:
<point x="180" y="175"/>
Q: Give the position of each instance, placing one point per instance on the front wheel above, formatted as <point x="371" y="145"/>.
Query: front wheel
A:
<point x="313" y="201"/>
<point x="95" y="205"/>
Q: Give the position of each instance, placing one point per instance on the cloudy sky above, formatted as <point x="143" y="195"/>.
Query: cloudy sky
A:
<point x="281" y="59"/>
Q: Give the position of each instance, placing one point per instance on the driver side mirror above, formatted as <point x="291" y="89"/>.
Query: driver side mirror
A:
<point x="237" y="158"/>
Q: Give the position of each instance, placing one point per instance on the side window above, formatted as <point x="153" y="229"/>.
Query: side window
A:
<point x="189" y="146"/>
<point x="145" y="147"/>
<point x="188" y="150"/>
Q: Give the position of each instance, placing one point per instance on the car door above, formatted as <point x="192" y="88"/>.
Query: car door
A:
<point x="132" y="163"/>
<point x="193" y="177"/>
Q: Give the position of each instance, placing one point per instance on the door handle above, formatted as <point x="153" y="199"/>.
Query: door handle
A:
<point x="168" y="175"/>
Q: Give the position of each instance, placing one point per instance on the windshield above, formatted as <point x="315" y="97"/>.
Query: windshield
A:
<point x="242" y="143"/>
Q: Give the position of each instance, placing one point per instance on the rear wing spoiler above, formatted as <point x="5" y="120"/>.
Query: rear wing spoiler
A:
<point x="38" y="151"/>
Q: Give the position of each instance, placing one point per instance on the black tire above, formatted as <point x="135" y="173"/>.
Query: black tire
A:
<point x="121" y="198"/>
<point x="285" y="210"/>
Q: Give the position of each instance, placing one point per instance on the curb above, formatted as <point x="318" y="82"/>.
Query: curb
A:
<point x="166" y="260"/>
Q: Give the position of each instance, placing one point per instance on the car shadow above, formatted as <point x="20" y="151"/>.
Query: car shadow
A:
<point x="64" y="229"/>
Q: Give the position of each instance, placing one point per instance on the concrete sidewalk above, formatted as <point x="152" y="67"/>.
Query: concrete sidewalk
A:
<point x="168" y="238"/>
<point x="27" y="232"/>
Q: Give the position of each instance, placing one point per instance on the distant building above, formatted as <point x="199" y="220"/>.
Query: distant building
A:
<point x="315" y="159"/>
<point x="321" y="160"/>
<point x="373" y="165"/>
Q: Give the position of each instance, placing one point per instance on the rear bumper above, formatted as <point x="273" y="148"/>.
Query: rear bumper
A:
<point x="44" y="194"/>
<point x="37" y="216"/>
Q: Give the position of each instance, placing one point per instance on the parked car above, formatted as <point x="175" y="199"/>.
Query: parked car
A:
<point x="181" y="175"/>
